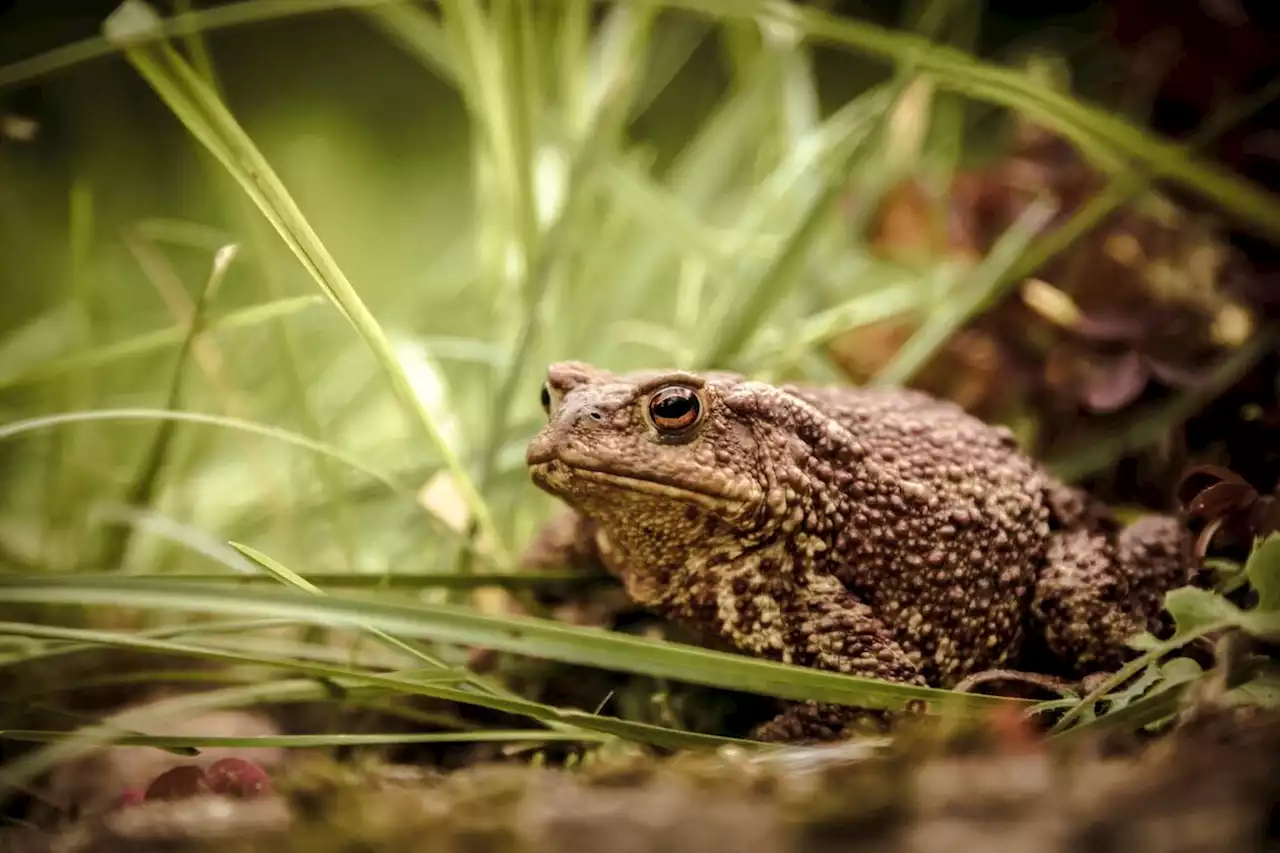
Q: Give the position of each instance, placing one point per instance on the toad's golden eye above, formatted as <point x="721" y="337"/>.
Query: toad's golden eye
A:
<point x="546" y="398"/>
<point x="675" y="409"/>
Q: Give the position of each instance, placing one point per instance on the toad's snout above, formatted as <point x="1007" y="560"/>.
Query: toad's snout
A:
<point x="541" y="449"/>
<point x="576" y="429"/>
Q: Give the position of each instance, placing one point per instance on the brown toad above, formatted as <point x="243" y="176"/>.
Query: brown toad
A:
<point x="878" y="532"/>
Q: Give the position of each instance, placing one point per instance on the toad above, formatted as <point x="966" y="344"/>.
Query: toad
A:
<point x="879" y="532"/>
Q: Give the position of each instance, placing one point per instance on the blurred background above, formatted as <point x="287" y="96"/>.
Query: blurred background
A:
<point x="291" y="277"/>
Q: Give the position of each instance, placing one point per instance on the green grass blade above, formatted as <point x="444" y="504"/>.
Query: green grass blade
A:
<point x="14" y="429"/>
<point x="526" y="636"/>
<point x="203" y="21"/>
<point x="881" y="303"/>
<point x="141" y="493"/>
<point x="532" y="736"/>
<point x="527" y="580"/>
<point x="418" y="33"/>
<point x="987" y="282"/>
<point x="237" y="626"/>
<point x="291" y="578"/>
<point x="222" y="655"/>
<point x="160" y="339"/>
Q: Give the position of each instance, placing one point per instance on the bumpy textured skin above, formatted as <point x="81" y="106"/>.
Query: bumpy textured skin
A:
<point x="878" y="532"/>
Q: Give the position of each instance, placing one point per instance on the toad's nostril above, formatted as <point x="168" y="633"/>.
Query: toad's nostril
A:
<point x="595" y="414"/>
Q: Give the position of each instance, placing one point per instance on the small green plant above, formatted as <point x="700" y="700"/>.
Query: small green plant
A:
<point x="1146" y="692"/>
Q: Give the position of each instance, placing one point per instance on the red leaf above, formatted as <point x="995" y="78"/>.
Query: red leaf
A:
<point x="1221" y="499"/>
<point x="1197" y="478"/>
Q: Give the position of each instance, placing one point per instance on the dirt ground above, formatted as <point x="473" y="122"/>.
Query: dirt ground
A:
<point x="1212" y="785"/>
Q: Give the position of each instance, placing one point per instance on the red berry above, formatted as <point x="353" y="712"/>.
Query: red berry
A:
<point x="178" y="783"/>
<point x="235" y="777"/>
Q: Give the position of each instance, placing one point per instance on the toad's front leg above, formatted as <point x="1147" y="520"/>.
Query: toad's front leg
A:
<point x="566" y="541"/>
<point x="822" y="626"/>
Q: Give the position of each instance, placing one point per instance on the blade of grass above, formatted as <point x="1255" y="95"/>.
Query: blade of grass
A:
<point x="721" y="147"/>
<point x="662" y="210"/>
<point x="180" y="232"/>
<point x="141" y="493"/>
<point x="985" y="285"/>
<point x="496" y="104"/>
<point x="1141" y="712"/>
<point x="398" y="580"/>
<point x="237" y="626"/>
<point x="291" y="578"/>
<point x="905" y="126"/>
<point x="64" y="449"/>
<point x="882" y="303"/>
<point x="1129" y="670"/>
<point x="150" y="342"/>
<point x="525" y="636"/>
<point x="945" y="146"/>
<point x="672" y="47"/>
<point x="417" y="33"/>
<point x="211" y="123"/>
<point x="312" y="741"/>
<point x="17" y="428"/>
<point x="14" y="429"/>
<point x="723" y="142"/>
<point x="205" y="20"/>
<point x="288" y="353"/>
<point x="228" y="656"/>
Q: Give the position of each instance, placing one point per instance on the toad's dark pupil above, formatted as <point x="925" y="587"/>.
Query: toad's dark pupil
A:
<point x="546" y="399"/>
<point x="674" y="408"/>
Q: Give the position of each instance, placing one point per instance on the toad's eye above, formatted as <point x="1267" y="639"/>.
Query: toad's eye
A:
<point x="546" y="398"/>
<point x="675" y="409"/>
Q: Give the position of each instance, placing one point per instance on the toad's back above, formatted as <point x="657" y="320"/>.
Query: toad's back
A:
<point x="947" y="526"/>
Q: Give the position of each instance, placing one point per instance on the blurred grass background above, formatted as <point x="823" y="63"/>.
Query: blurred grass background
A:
<point x="627" y="184"/>
<point x="112" y="215"/>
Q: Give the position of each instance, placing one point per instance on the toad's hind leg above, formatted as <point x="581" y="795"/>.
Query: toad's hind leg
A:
<point x="1099" y="589"/>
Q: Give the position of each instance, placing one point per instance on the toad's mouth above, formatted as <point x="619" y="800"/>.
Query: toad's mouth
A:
<point x="563" y="479"/>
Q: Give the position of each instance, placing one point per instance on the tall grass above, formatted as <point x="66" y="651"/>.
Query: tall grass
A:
<point x="429" y="206"/>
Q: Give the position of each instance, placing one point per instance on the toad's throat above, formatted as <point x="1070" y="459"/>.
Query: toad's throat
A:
<point x="557" y="476"/>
